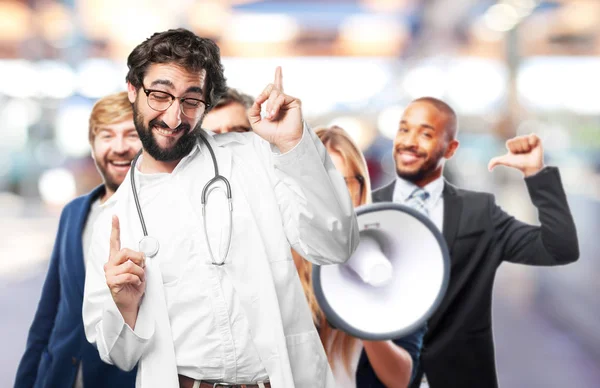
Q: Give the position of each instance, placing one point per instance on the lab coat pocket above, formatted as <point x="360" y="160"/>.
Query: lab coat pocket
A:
<point x="307" y="361"/>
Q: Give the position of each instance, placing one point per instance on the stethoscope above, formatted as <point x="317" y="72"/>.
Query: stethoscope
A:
<point x="149" y="245"/>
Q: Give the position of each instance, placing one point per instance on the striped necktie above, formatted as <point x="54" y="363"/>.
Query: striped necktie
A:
<point x="416" y="200"/>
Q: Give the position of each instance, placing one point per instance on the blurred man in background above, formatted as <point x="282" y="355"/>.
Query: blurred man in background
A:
<point x="230" y="113"/>
<point x="57" y="353"/>
<point x="458" y="349"/>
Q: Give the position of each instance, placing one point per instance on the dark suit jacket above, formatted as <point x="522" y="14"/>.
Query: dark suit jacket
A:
<point x="56" y="344"/>
<point x="458" y="349"/>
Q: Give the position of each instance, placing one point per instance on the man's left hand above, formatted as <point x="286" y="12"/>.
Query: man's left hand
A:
<point x="282" y="124"/>
<point x="525" y="153"/>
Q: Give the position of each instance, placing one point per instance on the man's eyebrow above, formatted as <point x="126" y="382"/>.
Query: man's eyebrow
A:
<point x="194" y="89"/>
<point x="164" y="82"/>
<point x="422" y="125"/>
<point x="169" y="84"/>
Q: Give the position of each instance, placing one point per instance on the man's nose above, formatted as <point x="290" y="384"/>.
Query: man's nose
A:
<point x="172" y="116"/>
<point x="408" y="140"/>
<point x="119" y="144"/>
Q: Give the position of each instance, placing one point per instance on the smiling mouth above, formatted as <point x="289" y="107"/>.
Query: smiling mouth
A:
<point x="408" y="157"/>
<point x="120" y="163"/>
<point x="167" y="131"/>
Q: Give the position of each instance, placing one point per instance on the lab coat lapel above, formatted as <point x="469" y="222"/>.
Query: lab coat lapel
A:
<point x="158" y="367"/>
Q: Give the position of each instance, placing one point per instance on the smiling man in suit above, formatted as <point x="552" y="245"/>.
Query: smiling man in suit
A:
<point x="458" y="349"/>
<point x="57" y="353"/>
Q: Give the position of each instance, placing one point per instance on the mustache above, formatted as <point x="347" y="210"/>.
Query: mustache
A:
<point x="161" y="124"/>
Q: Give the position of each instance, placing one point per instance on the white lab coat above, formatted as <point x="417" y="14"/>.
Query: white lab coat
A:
<point x="298" y="199"/>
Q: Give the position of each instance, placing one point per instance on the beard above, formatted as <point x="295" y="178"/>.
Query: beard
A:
<point x="429" y="166"/>
<point x="111" y="182"/>
<point x="182" y="147"/>
<point x="112" y="179"/>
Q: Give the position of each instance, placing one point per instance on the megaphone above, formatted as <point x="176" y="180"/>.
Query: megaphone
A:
<point x="394" y="281"/>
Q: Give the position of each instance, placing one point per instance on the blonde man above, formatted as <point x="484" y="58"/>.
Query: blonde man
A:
<point x="57" y="353"/>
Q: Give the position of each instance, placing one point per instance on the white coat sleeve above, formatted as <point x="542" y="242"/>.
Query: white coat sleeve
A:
<point x="317" y="212"/>
<point x="104" y="326"/>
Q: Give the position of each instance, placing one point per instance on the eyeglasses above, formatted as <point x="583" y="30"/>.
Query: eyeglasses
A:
<point x="161" y="101"/>
<point x="355" y="185"/>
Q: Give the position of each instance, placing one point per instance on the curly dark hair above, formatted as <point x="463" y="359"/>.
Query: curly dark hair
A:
<point x="183" y="48"/>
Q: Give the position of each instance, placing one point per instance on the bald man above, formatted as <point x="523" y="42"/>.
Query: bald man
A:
<point x="458" y="349"/>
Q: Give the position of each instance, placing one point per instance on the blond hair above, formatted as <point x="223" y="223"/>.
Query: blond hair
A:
<point x="337" y="139"/>
<point x="337" y="343"/>
<point x="111" y="109"/>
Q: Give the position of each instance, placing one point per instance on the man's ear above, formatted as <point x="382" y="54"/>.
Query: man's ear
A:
<point x="131" y="92"/>
<point x="451" y="149"/>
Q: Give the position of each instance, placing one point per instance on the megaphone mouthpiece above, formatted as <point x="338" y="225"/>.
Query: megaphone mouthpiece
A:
<point x="370" y="264"/>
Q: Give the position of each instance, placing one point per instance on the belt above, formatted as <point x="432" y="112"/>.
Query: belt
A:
<point x="188" y="382"/>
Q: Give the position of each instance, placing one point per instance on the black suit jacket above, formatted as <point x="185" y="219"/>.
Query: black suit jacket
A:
<point x="458" y="349"/>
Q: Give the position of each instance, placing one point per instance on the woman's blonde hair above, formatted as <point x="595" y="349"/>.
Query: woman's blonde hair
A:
<point x="337" y="344"/>
<point x="108" y="110"/>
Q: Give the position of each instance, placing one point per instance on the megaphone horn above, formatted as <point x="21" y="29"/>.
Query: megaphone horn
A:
<point x="395" y="279"/>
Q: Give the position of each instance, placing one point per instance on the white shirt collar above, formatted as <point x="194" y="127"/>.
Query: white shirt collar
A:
<point x="185" y="160"/>
<point x="403" y="189"/>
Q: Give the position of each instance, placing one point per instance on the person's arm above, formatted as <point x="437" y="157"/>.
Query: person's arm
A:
<point x="395" y="362"/>
<point x="554" y="242"/>
<point x="118" y="342"/>
<point x="391" y="363"/>
<point x="315" y="205"/>
<point x="45" y="315"/>
<point x="317" y="211"/>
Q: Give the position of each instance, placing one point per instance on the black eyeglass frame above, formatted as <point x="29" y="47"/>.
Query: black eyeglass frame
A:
<point x="173" y="98"/>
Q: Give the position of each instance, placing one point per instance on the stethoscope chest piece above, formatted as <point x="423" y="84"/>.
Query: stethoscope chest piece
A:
<point x="149" y="246"/>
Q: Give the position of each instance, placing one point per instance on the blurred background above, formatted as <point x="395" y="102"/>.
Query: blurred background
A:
<point x="508" y="67"/>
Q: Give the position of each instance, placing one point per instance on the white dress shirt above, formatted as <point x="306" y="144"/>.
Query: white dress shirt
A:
<point x="210" y="331"/>
<point x="434" y="204"/>
<point x="95" y="211"/>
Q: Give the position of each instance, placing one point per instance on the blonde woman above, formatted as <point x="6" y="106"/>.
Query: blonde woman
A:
<point x="357" y="363"/>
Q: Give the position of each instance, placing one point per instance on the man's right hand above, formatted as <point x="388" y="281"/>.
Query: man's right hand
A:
<point x="125" y="276"/>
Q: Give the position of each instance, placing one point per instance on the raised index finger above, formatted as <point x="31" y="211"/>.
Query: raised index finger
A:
<point x="278" y="79"/>
<point x="115" y="236"/>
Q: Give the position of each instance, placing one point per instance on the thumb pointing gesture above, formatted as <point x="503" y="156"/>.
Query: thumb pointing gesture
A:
<point x="525" y="153"/>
